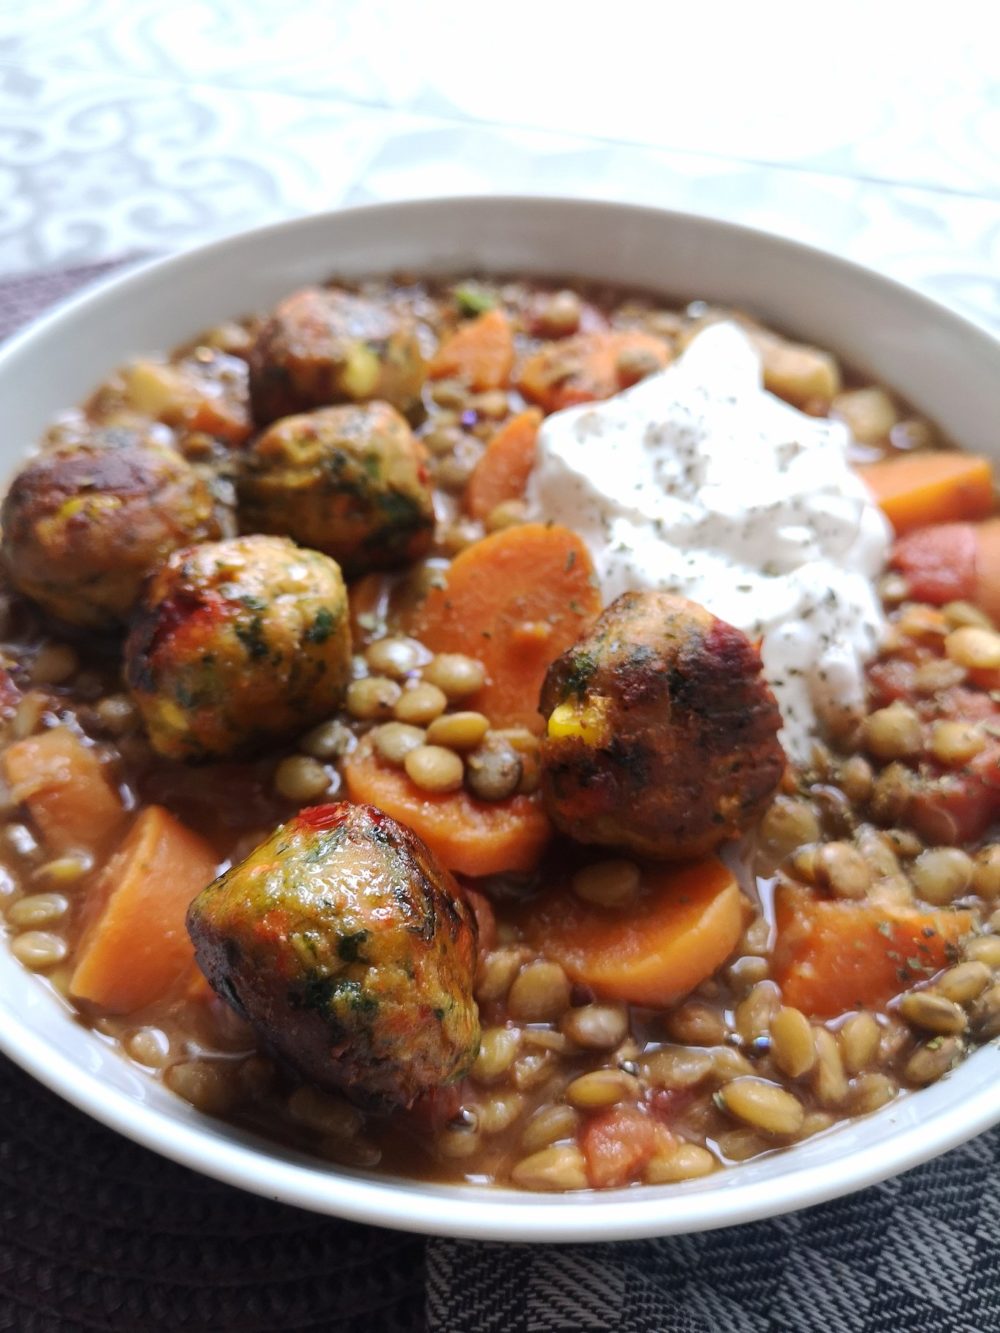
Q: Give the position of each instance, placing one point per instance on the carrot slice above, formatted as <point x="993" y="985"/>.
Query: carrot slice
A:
<point x="515" y="600"/>
<point x="589" y="367"/>
<point x="916" y="490"/>
<point x="685" y="923"/>
<point x="480" y="352"/>
<point x="503" y="471"/>
<point x="135" y="946"/>
<point x="63" y="784"/>
<point x="833" y="955"/>
<point x="469" y="836"/>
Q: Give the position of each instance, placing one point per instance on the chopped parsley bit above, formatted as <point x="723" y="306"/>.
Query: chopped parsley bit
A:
<point x="253" y="639"/>
<point x="322" y="627"/>
<point x="349" y="946"/>
<point x="472" y="299"/>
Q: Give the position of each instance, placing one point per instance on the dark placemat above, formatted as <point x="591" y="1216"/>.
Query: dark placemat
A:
<point x="98" y="1233"/>
<point x="24" y="296"/>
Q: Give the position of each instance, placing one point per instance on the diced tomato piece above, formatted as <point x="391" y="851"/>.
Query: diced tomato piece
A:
<point x="966" y="705"/>
<point x="890" y="681"/>
<point x="618" y="1143"/>
<point x="938" y="563"/>
<point x="959" y="807"/>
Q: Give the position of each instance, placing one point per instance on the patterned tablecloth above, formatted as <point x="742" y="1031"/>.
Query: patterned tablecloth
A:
<point x="96" y="1233"/>
<point x="870" y="129"/>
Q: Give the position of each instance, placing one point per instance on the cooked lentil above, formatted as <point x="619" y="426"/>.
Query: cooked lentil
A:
<point x="39" y="949"/>
<point x="394" y="657"/>
<point x="493" y="771"/>
<point x="372" y="697"/>
<point x="608" y="883"/>
<point x="393" y="741"/>
<point x="455" y="675"/>
<point x="420" y="705"/>
<point x="433" y="768"/>
<point x="301" y="779"/>
<point x="458" y="731"/>
<point x="763" y="1105"/>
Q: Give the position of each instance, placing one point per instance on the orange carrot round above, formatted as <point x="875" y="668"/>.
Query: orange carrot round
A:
<point x="515" y="600"/>
<point x="466" y="835"/>
<point x="684" y="925"/>
<point x="503" y="471"/>
<point x="480" y="352"/>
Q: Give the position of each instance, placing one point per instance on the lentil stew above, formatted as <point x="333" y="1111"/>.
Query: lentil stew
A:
<point x="361" y="669"/>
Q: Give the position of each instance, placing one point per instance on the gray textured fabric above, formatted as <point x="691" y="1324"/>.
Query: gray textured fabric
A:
<point x="919" y="1254"/>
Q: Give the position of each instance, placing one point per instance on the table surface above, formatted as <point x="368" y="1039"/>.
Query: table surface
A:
<point x="152" y="124"/>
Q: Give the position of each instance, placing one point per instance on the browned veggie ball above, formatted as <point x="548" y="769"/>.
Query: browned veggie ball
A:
<point x="350" y="950"/>
<point x="323" y="345"/>
<point x="237" y="643"/>
<point x="84" y="524"/>
<point x="662" y="735"/>
<point x="350" y="481"/>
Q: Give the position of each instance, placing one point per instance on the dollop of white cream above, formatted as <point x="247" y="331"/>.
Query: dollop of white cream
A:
<point x="699" y="482"/>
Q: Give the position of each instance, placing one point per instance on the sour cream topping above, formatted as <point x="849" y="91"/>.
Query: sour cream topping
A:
<point x="699" y="482"/>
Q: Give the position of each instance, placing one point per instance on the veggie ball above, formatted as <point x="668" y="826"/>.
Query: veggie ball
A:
<point x="350" y="481"/>
<point x="236" y="644"/>
<point x="662" y="735"/>
<point x="83" y="524"/>
<point x="324" y="345"/>
<point x="350" y="950"/>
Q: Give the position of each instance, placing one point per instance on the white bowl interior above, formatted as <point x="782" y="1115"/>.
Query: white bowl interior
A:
<point x="945" y="366"/>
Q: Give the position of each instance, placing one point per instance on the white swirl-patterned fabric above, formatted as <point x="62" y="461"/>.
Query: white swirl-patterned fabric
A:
<point x="132" y="125"/>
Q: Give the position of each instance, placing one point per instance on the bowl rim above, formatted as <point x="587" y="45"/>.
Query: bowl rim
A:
<point x="456" y="1210"/>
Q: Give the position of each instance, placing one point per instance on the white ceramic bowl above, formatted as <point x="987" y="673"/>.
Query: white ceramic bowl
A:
<point x="945" y="366"/>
